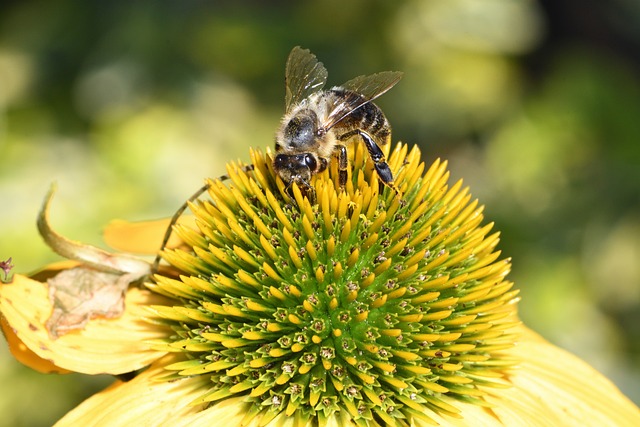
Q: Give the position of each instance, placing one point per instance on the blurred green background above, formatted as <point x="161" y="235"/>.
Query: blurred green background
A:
<point x="128" y="106"/>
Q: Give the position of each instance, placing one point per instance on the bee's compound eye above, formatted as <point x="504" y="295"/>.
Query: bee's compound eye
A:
<point x="310" y="161"/>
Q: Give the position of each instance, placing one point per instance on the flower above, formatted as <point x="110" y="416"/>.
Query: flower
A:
<point x="367" y="308"/>
<point x="6" y="267"/>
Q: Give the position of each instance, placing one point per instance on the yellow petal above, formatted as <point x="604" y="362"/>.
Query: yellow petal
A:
<point x="112" y="346"/>
<point x="24" y="355"/>
<point x="143" y="237"/>
<point x="145" y="401"/>
<point x="550" y="387"/>
<point x="142" y="401"/>
<point x="562" y="389"/>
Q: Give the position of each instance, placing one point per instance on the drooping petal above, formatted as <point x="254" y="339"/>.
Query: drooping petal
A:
<point x="142" y="401"/>
<point x="112" y="346"/>
<point x="24" y="355"/>
<point x="142" y="237"/>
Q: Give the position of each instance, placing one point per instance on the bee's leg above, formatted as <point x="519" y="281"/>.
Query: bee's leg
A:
<point x="343" y="164"/>
<point x="172" y="222"/>
<point x="377" y="156"/>
<point x="178" y="214"/>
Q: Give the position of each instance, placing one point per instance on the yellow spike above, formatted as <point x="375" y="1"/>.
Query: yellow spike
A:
<point x="396" y="248"/>
<point x="408" y="272"/>
<point x="382" y="267"/>
<point x="297" y="347"/>
<point x="274" y="327"/>
<point x="368" y="280"/>
<point x="304" y="369"/>
<point x="256" y="306"/>
<point x="248" y="279"/>
<point x="337" y="270"/>
<point x="294" y="319"/>
<point x="406" y="355"/>
<point x="393" y="381"/>
<point x="360" y="317"/>
<point x="368" y="379"/>
<point x="432" y="386"/>
<point x="353" y="257"/>
<point x="277" y="293"/>
<point x="283" y="379"/>
<point x="379" y="302"/>
<point x="307" y="306"/>
<point x="326" y="211"/>
<point x="373" y="238"/>
<point x="275" y="205"/>
<point x="346" y="230"/>
<point x="240" y="231"/>
<point x="417" y="317"/>
<point x="253" y="335"/>
<point x="245" y="256"/>
<point x="444" y="303"/>
<point x="294" y="291"/>
<point x="331" y="245"/>
<point x="268" y="248"/>
<point x="307" y="228"/>
<point x="314" y="397"/>
<point x="295" y="258"/>
<point x="398" y="293"/>
<point x="417" y="369"/>
<point x="289" y="239"/>
<point x="262" y="229"/>
<point x="311" y="251"/>
<point x="377" y="223"/>
<point x="259" y="363"/>
<point x="271" y="272"/>
<point x="438" y="315"/>
<point x="278" y="352"/>
<point x="351" y="296"/>
<point x="343" y="205"/>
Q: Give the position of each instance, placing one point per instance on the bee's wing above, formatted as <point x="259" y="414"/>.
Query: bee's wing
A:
<point x="364" y="89"/>
<point x="304" y="75"/>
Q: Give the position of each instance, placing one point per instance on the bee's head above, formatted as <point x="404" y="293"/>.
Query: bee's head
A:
<point x="296" y="168"/>
<point x="301" y="130"/>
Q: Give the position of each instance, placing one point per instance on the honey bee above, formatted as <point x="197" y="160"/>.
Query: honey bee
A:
<point x="318" y="123"/>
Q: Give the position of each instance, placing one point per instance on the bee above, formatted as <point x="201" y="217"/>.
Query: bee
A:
<point x="319" y="124"/>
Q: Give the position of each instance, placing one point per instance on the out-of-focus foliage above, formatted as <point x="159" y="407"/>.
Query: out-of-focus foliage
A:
<point x="129" y="105"/>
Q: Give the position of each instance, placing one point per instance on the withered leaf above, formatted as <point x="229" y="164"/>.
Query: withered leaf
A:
<point x="83" y="293"/>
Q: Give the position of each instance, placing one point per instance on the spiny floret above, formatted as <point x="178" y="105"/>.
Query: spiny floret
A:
<point x="367" y="302"/>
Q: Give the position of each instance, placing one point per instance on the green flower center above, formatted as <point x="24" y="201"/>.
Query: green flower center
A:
<point x="379" y="306"/>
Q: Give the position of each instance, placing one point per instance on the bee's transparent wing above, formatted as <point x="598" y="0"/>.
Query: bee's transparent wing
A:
<point x="304" y="75"/>
<point x="364" y="90"/>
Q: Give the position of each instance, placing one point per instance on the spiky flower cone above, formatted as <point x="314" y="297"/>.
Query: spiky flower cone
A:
<point x="372" y="304"/>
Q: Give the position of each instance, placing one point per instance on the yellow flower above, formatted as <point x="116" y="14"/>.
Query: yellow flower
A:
<point x="367" y="308"/>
